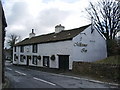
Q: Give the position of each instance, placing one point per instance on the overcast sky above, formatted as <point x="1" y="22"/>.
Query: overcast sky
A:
<point x="43" y="15"/>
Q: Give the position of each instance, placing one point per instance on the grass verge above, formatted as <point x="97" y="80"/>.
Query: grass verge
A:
<point x="110" y="60"/>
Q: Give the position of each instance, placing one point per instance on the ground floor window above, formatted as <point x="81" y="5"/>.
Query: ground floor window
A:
<point x="22" y="58"/>
<point x="34" y="61"/>
<point x="14" y="57"/>
<point x="46" y="61"/>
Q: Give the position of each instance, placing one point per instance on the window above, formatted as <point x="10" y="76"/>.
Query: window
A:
<point x="46" y="61"/>
<point x="34" y="48"/>
<point x="21" y="48"/>
<point x="14" y="49"/>
<point x="22" y="58"/>
<point x="14" y="57"/>
<point x="34" y="60"/>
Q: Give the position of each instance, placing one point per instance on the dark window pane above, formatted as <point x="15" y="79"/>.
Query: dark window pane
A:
<point x="34" y="48"/>
<point x="21" y="58"/>
<point x="14" y="49"/>
<point x="21" y="48"/>
<point x="14" y="57"/>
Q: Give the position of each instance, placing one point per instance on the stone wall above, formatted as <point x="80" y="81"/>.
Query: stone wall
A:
<point x="101" y="71"/>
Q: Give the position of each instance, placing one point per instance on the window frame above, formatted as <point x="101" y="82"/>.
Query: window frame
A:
<point x="34" y="60"/>
<point x="21" y="58"/>
<point x="46" y="62"/>
<point x="15" y="49"/>
<point x="34" y="48"/>
<point x="21" y="49"/>
<point x="15" y="57"/>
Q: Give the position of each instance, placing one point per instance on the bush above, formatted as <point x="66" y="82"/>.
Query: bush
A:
<point x="113" y="48"/>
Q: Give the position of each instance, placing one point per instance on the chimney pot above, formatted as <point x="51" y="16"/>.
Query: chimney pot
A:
<point x="32" y="30"/>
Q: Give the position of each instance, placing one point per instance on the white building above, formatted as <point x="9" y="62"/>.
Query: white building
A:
<point x="61" y="48"/>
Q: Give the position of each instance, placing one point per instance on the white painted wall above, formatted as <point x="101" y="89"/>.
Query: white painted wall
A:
<point x="61" y="48"/>
<point x="96" y="49"/>
<point x="27" y="51"/>
<point x="48" y="49"/>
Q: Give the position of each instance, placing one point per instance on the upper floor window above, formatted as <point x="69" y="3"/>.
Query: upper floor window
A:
<point x="14" y="49"/>
<point x="34" y="48"/>
<point x="22" y="58"/>
<point x="21" y="48"/>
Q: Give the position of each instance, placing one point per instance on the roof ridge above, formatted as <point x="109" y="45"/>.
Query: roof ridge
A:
<point x="63" y="31"/>
<point x="78" y="27"/>
<point x="43" y="35"/>
<point x="45" y="38"/>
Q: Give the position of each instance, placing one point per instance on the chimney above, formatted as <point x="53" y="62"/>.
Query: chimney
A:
<point x="32" y="30"/>
<point x="32" y="34"/>
<point x="59" y="28"/>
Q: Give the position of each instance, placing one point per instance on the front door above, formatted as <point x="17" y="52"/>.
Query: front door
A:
<point x="46" y="61"/>
<point x="64" y="62"/>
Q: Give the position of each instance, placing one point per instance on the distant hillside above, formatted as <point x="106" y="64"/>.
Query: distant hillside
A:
<point x="110" y="60"/>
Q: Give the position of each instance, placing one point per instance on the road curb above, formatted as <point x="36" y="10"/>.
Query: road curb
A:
<point x="95" y="81"/>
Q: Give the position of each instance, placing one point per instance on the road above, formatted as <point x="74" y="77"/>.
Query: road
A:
<point x="27" y="78"/>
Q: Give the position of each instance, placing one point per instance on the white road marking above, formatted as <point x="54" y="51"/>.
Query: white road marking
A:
<point x="44" y="81"/>
<point x="20" y="73"/>
<point x="9" y="69"/>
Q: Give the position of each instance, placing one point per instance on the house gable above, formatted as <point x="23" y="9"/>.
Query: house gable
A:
<point x="89" y="46"/>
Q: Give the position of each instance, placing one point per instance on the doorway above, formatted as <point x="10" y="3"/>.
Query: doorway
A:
<point x="63" y="62"/>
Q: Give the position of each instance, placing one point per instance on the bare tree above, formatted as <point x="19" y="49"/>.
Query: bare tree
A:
<point x="105" y="15"/>
<point x="12" y="39"/>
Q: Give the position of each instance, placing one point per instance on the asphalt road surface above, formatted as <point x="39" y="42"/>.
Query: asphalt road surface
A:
<point x="27" y="78"/>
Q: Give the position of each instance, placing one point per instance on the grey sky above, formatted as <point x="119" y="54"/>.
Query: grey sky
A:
<point x="43" y="15"/>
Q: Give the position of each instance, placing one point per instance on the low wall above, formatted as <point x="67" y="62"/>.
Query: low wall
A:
<point x="101" y="71"/>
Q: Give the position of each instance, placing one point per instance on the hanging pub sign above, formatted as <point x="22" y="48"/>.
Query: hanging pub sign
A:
<point x="80" y="44"/>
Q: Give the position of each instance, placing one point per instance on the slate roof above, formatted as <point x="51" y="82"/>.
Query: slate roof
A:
<point x="53" y="37"/>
